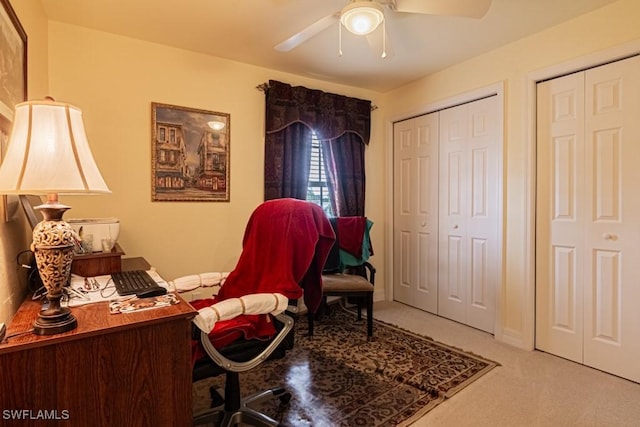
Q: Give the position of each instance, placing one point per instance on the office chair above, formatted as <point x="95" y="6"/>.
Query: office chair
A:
<point x="347" y="273"/>
<point x="232" y="359"/>
<point x="285" y="245"/>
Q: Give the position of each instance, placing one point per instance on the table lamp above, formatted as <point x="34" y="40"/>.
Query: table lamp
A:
<point x="48" y="154"/>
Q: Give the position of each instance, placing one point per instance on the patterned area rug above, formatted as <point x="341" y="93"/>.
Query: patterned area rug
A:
<point x="338" y="378"/>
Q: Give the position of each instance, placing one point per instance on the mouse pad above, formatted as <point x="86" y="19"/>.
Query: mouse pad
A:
<point x="138" y="304"/>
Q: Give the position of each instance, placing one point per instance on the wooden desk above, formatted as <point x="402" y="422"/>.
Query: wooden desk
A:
<point x="120" y="370"/>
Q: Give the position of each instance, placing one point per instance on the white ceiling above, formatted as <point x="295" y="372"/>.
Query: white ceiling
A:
<point x="247" y="30"/>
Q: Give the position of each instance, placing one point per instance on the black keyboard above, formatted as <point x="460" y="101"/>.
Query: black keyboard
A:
<point x="133" y="282"/>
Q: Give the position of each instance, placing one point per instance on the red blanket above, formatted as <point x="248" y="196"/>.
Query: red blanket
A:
<point x="285" y="246"/>
<point x="350" y="234"/>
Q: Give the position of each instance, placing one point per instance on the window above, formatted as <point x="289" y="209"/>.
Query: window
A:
<point x="318" y="190"/>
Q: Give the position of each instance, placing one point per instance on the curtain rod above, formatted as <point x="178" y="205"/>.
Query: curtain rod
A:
<point x="264" y="86"/>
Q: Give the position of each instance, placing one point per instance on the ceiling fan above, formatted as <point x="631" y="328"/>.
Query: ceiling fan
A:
<point x="361" y="17"/>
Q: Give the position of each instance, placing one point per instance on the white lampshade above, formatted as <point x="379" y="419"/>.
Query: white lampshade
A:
<point x="362" y="17"/>
<point x="48" y="152"/>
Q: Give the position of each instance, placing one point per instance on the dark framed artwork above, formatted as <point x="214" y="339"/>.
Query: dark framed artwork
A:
<point x="13" y="77"/>
<point x="189" y="154"/>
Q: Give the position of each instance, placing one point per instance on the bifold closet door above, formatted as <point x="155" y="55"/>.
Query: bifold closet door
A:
<point x="415" y="212"/>
<point x="561" y="218"/>
<point x="468" y="267"/>
<point x="588" y="218"/>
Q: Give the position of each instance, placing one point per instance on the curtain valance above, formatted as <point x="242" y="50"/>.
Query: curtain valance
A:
<point x="329" y="115"/>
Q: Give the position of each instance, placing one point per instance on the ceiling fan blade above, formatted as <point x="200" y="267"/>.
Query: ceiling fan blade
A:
<point x="464" y="8"/>
<point x="304" y="35"/>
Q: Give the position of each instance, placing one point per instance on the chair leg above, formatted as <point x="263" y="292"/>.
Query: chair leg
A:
<point x="370" y="315"/>
<point x="246" y="415"/>
<point x="236" y="409"/>
<point x="310" y="322"/>
<point x="208" y="417"/>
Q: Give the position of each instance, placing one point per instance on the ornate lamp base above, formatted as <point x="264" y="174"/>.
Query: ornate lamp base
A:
<point x="50" y="324"/>
<point x="53" y="242"/>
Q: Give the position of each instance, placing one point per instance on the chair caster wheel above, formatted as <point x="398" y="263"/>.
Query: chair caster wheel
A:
<point x="285" y="398"/>
<point x="283" y="395"/>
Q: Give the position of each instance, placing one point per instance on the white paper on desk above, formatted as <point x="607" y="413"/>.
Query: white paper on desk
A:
<point x="107" y="290"/>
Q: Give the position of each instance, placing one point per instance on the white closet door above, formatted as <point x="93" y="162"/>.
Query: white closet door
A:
<point x="588" y="234"/>
<point x="483" y="263"/>
<point x="469" y="213"/>
<point x="415" y="232"/>
<point x="453" y="245"/>
<point x="560" y="217"/>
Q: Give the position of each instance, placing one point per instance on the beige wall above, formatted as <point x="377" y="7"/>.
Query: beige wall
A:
<point x="113" y="80"/>
<point x="514" y="65"/>
<point x="14" y="235"/>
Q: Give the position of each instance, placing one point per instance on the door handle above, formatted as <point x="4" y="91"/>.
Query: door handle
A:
<point x="455" y="227"/>
<point x="609" y="236"/>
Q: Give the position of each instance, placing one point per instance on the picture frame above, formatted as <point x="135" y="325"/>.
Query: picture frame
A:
<point x="13" y="81"/>
<point x="190" y="154"/>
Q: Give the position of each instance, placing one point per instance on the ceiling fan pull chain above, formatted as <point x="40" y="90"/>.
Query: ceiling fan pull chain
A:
<point x="384" y="39"/>
<point x="340" y="38"/>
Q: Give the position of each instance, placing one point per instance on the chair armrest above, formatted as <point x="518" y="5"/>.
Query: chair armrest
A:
<point x="262" y="303"/>
<point x="194" y="281"/>
<point x="366" y="270"/>
<point x="234" y="366"/>
<point x="372" y="272"/>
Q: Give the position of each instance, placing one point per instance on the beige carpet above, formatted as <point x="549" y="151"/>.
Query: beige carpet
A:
<point x="338" y="378"/>
<point x="530" y="389"/>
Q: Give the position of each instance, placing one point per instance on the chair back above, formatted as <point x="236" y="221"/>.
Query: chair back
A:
<point x="352" y="247"/>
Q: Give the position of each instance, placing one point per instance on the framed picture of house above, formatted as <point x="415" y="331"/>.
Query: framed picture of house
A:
<point x="13" y="78"/>
<point x="189" y="154"/>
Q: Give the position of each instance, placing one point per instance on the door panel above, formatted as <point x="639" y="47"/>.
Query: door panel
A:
<point x="479" y="268"/>
<point x="612" y="128"/>
<point x="559" y="219"/>
<point x="469" y="213"/>
<point x="416" y="212"/>
<point x="454" y="155"/>
<point x="454" y="288"/>
<point x="588" y="218"/>
<point x="560" y="216"/>
<point x="483" y="212"/>
<point x="404" y="264"/>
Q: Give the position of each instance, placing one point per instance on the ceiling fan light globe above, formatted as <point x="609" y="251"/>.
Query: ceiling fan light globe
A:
<point x="362" y="17"/>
